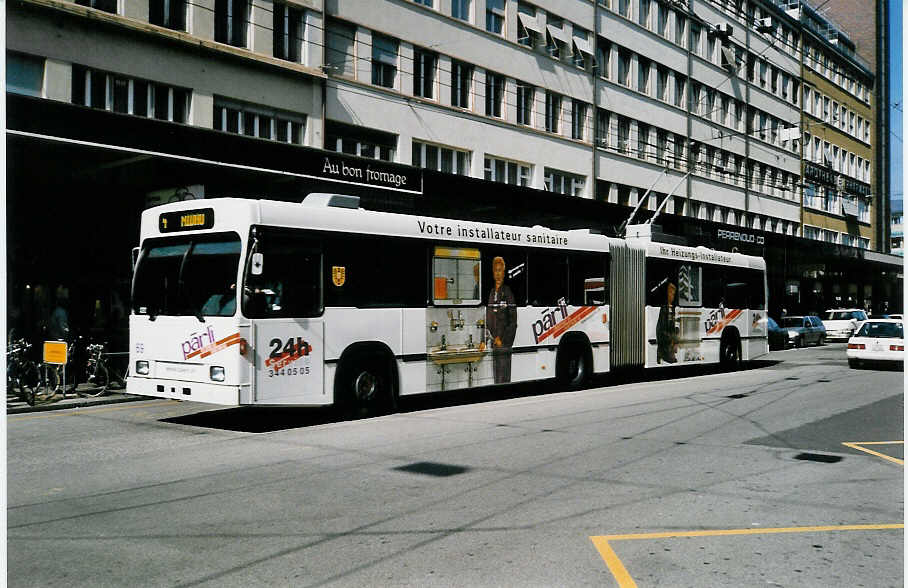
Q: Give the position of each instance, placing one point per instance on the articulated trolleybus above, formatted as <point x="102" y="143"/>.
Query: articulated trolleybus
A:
<point x="239" y="302"/>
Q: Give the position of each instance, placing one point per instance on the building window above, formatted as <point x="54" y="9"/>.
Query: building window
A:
<point x="680" y="21"/>
<point x="443" y="159"/>
<point x="661" y="83"/>
<point x="507" y="172"/>
<point x="603" y="56"/>
<point x="602" y="132"/>
<point x="679" y="152"/>
<point x="289" y="33"/>
<point x="360" y="141"/>
<point x="494" y="93"/>
<point x="643" y="75"/>
<point x="339" y="49"/>
<point x="424" y="66"/>
<point x="642" y="140"/>
<point x="661" y="147"/>
<point x="624" y="8"/>
<point x="561" y="182"/>
<point x="259" y="121"/>
<point x="106" y="91"/>
<point x="552" y="112"/>
<point x="231" y="19"/>
<point x="624" y="67"/>
<point x="495" y="16"/>
<point x="428" y="3"/>
<point x="624" y="134"/>
<point x="461" y="9"/>
<point x="24" y="74"/>
<point x="105" y="5"/>
<point x="525" y="94"/>
<point x="554" y="36"/>
<point x="461" y="84"/>
<point x="384" y="61"/>
<point x="168" y="13"/>
<point x="578" y="120"/>
<point x="680" y="83"/>
<point x="662" y="19"/>
<point x="694" y="38"/>
<point x="582" y="47"/>
<point x="527" y="25"/>
<point x="643" y="13"/>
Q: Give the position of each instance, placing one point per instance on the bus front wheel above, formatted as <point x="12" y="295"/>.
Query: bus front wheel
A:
<point x="367" y="388"/>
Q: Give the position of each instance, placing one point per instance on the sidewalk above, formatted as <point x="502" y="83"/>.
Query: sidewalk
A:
<point x="15" y="405"/>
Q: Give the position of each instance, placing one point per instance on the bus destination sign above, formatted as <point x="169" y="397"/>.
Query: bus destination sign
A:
<point x="186" y="220"/>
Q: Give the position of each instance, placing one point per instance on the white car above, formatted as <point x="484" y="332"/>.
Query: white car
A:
<point x="878" y="340"/>
<point x="842" y="323"/>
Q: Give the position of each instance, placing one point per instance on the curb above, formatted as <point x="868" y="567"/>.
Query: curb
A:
<point x="76" y="402"/>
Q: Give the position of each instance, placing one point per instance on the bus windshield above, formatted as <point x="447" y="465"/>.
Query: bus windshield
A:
<point x="187" y="275"/>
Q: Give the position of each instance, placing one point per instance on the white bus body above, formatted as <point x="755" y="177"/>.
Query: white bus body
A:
<point x="240" y="302"/>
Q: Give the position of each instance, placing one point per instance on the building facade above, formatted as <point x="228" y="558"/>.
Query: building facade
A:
<point x="706" y="110"/>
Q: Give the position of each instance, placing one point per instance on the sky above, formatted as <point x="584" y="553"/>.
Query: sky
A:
<point x="896" y="105"/>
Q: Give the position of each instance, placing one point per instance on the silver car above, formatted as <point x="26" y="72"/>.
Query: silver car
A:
<point x="804" y="330"/>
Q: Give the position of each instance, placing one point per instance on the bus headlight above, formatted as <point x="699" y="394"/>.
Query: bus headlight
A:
<point x="217" y="373"/>
<point x="142" y="368"/>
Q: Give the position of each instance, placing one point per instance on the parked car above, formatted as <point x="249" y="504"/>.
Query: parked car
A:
<point x="804" y="330"/>
<point x="877" y="341"/>
<point x="842" y="323"/>
<point x="778" y="337"/>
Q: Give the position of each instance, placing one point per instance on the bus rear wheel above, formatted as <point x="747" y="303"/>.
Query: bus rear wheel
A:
<point x="574" y="366"/>
<point x="730" y="351"/>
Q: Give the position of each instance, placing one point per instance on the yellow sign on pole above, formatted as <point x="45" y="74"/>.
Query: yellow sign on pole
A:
<point x="55" y="352"/>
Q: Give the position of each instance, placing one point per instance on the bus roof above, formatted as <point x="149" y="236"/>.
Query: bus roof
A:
<point x="338" y="213"/>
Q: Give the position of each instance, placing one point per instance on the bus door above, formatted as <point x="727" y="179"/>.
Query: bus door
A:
<point x="288" y="361"/>
<point x="282" y="293"/>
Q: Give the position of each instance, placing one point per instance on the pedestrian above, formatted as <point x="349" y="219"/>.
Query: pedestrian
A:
<point x="58" y="326"/>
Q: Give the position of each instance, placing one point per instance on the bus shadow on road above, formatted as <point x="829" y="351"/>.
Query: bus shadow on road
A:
<point x="268" y="419"/>
<point x="257" y="419"/>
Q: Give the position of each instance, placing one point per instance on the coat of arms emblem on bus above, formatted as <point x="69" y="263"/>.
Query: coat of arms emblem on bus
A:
<point x="338" y="275"/>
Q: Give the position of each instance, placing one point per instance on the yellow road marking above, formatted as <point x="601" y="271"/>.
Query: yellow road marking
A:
<point x="624" y="578"/>
<point x="614" y="563"/>
<point x="84" y="410"/>
<point x="857" y="445"/>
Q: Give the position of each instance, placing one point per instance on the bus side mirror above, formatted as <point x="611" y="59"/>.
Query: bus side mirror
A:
<point x="258" y="261"/>
<point x="135" y="257"/>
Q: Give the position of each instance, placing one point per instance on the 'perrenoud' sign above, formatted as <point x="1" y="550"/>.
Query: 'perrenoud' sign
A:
<point x="742" y="237"/>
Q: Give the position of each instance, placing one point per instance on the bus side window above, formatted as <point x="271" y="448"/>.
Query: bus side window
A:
<point x="290" y="281"/>
<point x="515" y="273"/>
<point x="589" y="279"/>
<point x="690" y="285"/>
<point x="659" y="273"/>
<point x="737" y="288"/>
<point x="547" y="277"/>
<point x="713" y="284"/>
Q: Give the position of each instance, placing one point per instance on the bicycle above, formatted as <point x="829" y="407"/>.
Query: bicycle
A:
<point x="100" y="373"/>
<point x="22" y="375"/>
<point x="51" y="382"/>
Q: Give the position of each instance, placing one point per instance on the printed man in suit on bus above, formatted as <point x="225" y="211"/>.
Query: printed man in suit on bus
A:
<point x="501" y="321"/>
